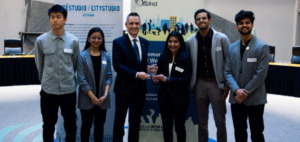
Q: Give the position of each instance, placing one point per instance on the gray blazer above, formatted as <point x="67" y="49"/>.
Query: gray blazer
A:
<point x="248" y="73"/>
<point x="86" y="79"/>
<point x="219" y="45"/>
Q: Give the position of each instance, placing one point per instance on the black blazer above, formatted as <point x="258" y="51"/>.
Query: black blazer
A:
<point x="177" y="88"/>
<point x="126" y="65"/>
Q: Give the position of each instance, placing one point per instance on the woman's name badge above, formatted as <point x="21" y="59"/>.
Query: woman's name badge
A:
<point x="104" y="62"/>
<point x="179" y="69"/>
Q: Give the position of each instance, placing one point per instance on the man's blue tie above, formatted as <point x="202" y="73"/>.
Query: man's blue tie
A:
<point x="136" y="50"/>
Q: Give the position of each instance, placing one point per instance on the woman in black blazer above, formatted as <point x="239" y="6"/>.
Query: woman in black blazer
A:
<point x="173" y="77"/>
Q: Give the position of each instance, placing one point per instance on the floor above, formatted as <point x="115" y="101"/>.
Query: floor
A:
<point x="20" y="118"/>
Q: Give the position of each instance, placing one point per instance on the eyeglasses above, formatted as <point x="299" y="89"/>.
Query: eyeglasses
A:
<point x="96" y="38"/>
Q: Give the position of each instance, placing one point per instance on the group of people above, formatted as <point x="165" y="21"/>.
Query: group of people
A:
<point x="209" y="66"/>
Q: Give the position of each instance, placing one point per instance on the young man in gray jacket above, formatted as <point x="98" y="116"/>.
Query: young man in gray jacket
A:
<point x="246" y="68"/>
<point x="208" y="50"/>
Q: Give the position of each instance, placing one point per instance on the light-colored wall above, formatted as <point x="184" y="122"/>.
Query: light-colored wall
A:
<point x="13" y="18"/>
<point x="14" y="21"/>
<point x="275" y="20"/>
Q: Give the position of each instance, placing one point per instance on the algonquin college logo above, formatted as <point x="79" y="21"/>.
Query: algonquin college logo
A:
<point x="146" y="3"/>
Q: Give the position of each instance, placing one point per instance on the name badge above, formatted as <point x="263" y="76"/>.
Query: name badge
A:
<point x="179" y="69"/>
<point x="68" y="50"/>
<point x="247" y="48"/>
<point x="251" y="60"/>
<point x="104" y="62"/>
<point x="218" y="48"/>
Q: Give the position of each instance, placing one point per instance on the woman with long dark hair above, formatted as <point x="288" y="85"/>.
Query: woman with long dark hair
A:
<point x="95" y="78"/>
<point x="173" y="77"/>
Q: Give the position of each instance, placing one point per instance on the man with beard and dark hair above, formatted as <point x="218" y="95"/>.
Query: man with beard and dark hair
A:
<point x="246" y="68"/>
<point x="208" y="49"/>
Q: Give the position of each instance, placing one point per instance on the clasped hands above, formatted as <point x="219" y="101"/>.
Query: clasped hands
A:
<point x="142" y="75"/>
<point x="98" y="102"/>
<point x="241" y="95"/>
<point x="157" y="78"/>
<point x="150" y="69"/>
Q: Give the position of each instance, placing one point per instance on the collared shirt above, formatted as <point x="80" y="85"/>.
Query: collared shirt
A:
<point x="56" y="61"/>
<point x="138" y="44"/>
<point x="204" y="65"/>
<point x="243" y="47"/>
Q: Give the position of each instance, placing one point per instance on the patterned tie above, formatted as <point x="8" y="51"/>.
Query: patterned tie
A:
<point x="136" y="50"/>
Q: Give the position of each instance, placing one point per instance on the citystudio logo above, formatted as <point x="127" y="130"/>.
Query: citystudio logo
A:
<point x="145" y="3"/>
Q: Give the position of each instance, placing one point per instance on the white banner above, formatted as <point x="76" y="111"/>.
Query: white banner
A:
<point x="86" y="14"/>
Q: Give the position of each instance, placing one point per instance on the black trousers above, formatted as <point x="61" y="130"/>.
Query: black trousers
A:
<point x="135" y="103"/>
<point x="240" y="113"/>
<point x="96" y="115"/>
<point x="173" y="115"/>
<point x="49" y="109"/>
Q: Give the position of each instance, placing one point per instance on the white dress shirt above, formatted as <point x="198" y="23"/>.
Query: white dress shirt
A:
<point x="138" y="44"/>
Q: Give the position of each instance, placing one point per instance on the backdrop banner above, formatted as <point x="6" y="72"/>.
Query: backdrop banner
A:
<point x="82" y="16"/>
<point x="158" y="19"/>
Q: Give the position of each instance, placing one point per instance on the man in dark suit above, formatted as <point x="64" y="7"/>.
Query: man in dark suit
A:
<point x="246" y="68"/>
<point x="130" y="63"/>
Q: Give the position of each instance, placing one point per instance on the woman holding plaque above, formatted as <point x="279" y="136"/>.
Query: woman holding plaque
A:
<point x="173" y="77"/>
<point x="95" y="78"/>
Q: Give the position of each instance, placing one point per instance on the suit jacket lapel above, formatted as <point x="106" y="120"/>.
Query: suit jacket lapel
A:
<point x="248" y="49"/>
<point x="238" y="50"/>
<point x="195" y="49"/>
<point x="103" y="68"/>
<point x="238" y="59"/>
<point x="90" y="64"/>
<point x="130" y="48"/>
<point x="143" y="48"/>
